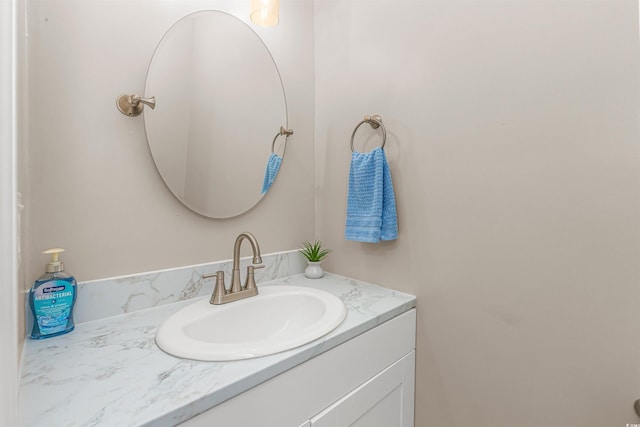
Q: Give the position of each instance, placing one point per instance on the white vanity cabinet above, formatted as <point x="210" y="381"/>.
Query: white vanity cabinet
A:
<point x="367" y="381"/>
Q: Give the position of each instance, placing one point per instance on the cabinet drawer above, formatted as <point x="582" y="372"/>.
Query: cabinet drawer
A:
<point x="386" y="400"/>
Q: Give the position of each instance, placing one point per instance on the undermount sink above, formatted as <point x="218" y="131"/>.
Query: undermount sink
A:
<point x="279" y="318"/>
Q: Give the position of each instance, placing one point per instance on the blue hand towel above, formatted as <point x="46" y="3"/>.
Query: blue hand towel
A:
<point x="371" y="203"/>
<point x="273" y="166"/>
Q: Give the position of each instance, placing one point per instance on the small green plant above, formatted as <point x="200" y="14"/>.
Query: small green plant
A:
<point x="313" y="251"/>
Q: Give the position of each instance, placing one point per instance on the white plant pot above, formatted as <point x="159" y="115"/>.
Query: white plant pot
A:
<point x="314" y="270"/>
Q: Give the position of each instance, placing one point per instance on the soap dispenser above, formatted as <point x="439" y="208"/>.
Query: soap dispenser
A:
<point x="52" y="298"/>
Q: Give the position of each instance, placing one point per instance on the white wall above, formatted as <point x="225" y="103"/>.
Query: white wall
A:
<point x="93" y="188"/>
<point x="9" y="324"/>
<point x="513" y="144"/>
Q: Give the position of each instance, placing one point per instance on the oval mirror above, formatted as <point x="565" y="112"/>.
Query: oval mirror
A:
<point x="219" y="105"/>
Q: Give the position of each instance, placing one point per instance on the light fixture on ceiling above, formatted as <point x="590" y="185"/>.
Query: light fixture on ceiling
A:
<point x="265" y="12"/>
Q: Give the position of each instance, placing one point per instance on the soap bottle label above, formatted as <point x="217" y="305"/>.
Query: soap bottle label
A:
<point x="52" y="303"/>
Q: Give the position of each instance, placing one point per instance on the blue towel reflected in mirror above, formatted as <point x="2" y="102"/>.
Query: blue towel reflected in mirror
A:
<point x="273" y="166"/>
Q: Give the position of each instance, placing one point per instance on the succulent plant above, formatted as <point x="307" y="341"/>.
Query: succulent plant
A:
<point x="313" y="251"/>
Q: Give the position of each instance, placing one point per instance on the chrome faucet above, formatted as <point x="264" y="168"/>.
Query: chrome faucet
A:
<point x="237" y="292"/>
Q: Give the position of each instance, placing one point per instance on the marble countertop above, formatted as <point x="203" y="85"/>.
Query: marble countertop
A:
<point x="110" y="372"/>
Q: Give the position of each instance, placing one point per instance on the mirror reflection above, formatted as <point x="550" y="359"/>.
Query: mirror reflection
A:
<point x="215" y="132"/>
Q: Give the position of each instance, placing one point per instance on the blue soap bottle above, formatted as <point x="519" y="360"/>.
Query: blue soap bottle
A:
<point x="52" y="298"/>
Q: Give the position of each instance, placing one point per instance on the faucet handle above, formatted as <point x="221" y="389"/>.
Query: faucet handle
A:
<point x="250" y="282"/>
<point x="219" y="288"/>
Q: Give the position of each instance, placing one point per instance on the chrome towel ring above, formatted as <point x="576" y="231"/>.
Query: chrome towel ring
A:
<point x="375" y="122"/>
<point x="286" y="132"/>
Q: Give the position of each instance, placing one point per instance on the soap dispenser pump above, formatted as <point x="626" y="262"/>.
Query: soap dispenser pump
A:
<point x="52" y="298"/>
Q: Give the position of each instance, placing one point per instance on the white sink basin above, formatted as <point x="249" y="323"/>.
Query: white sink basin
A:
<point x="279" y="318"/>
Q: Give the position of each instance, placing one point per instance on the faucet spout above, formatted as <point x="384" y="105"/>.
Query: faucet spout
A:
<point x="257" y="259"/>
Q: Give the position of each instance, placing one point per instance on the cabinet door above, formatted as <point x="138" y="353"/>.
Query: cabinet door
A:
<point x="386" y="400"/>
